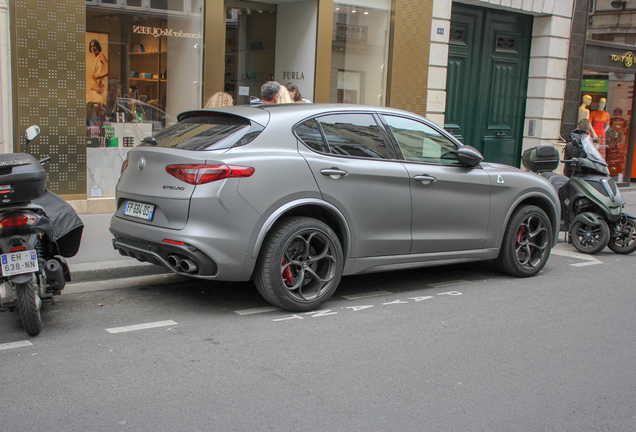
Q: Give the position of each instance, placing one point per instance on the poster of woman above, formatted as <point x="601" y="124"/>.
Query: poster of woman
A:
<point x="97" y="68"/>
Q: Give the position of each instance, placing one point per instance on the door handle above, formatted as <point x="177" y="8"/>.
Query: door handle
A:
<point x="500" y="134"/>
<point x="425" y="179"/>
<point x="334" y="173"/>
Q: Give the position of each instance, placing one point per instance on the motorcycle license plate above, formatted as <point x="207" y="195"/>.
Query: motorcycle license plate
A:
<point x="138" y="210"/>
<point x="19" y="262"/>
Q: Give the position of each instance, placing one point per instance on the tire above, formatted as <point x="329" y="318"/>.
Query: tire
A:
<point x="29" y="305"/>
<point x="526" y="243"/>
<point x="589" y="239"/>
<point x="300" y="264"/>
<point x="623" y="240"/>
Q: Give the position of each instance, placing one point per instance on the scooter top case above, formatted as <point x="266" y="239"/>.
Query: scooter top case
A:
<point x="22" y="178"/>
<point x="541" y="158"/>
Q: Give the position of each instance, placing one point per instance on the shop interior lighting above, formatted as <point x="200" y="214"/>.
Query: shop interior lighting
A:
<point x="366" y="12"/>
<point x="354" y="11"/>
<point x="619" y="4"/>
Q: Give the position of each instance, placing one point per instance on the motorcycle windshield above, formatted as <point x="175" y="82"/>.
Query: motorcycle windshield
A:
<point x="591" y="151"/>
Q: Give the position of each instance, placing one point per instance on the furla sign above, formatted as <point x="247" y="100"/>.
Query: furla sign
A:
<point x="293" y="76"/>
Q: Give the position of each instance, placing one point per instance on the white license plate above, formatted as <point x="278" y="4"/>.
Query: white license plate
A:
<point x="19" y="262"/>
<point x="138" y="210"/>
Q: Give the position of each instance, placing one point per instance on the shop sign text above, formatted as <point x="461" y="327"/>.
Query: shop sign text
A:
<point x="293" y="75"/>
<point x="157" y="32"/>
<point x="627" y="59"/>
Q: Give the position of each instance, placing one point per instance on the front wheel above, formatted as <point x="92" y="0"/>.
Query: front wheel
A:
<point x="29" y="305"/>
<point x="623" y="239"/>
<point x="526" y="243"/>
<point x="300" y="265"/>
<point x="590" y="239"/>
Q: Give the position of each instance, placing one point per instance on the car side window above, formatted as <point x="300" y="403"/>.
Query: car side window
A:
<point x="422" y="143"/>
<point x="354" y="135"/>
<point x="309" y="133"/>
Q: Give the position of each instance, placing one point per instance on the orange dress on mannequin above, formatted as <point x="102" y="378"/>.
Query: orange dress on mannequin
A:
<point x="599" y="120"/>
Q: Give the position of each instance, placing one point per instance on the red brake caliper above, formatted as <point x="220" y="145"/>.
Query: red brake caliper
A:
<point x="288" y="278"/>
<point x="519" y="234"/>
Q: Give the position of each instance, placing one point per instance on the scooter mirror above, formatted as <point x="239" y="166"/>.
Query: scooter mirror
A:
<point x="31" y="133"/>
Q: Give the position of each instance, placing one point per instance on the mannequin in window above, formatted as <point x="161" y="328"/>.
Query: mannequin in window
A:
<point x="584" y="113"/>
<point x="600" y="123"/>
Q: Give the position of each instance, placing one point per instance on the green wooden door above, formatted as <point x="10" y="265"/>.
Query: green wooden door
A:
<point x="487" y="80"/>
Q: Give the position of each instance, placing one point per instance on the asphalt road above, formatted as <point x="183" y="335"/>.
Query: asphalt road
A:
<point x="457" y="348"/>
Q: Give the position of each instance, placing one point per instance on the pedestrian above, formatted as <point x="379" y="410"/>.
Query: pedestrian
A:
<point x="284" y="96"/>
<point x="269" y="92"/>
<point x="219" y="99"/>
<point x="294" y="92"/>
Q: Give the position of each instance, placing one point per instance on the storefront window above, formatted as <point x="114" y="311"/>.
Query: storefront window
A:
<point x="142" y="68"/>
<point x="610" y="113"/>
<point x="359" y="52"/>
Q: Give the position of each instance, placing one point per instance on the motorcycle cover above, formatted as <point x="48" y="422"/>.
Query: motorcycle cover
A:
<point x="67" y="226"/>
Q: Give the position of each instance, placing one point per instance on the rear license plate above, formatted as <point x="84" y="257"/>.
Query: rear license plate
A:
<point x="19" y="262"/>
<point x="138" y="210"/>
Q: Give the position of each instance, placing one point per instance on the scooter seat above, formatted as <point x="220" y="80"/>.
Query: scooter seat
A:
<point x="556" y="180"/>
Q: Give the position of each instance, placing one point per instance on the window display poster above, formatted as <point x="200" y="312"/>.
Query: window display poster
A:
<point x="97" y="71"/>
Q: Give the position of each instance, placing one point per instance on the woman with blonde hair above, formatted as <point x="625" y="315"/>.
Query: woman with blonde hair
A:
<point x="283" y="96"/>
<point x="219" y="99"/>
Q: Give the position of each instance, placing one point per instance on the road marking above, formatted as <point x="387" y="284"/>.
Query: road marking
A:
<point x="256" y="310"/>
<point x="449" y="283"/>
<point x="562" y="249"/>
<point x="141" y="326"/>
<point x="367" y="295"/>
<point x="12" y="345"/>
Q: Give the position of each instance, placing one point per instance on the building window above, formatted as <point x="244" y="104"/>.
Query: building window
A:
<point x="359" y="52"/>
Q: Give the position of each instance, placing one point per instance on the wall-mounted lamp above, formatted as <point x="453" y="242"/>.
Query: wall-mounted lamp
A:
<point x="619" y="4"/>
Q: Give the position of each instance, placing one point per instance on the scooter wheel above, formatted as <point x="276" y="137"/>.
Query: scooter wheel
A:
<point x="589" y="239"/>
<point x="29" y="304"/>
<point x="623" y="241"/>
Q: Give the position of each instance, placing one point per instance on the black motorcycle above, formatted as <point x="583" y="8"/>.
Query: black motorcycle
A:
<point x="38" y="230"/>
<point x="591" y="204"/>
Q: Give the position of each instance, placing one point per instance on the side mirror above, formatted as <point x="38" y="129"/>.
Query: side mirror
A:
<point x="31" y="133"/>
<point x="469" y="156"/>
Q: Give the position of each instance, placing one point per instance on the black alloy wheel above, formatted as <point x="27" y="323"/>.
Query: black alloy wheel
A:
<point x="526" y="244"/>
<point x="590" y="239"/>
<point x="623" y="238"/>
<point x="300" y="265"/>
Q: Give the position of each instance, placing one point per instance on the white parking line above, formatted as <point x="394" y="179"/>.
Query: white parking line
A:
<point x="367" y="295"/>
<point x="256" y="310"/>
<point x="141" y="326"/>
<point x="12" y="345"/>
<point x="563" y="249"/>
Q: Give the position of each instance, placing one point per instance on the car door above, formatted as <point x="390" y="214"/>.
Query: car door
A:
<point x="450" y="202"/>
<point x="359" y="173"/>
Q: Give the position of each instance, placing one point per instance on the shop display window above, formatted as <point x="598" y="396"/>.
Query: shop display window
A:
<point x="360" y="45"/>
<point x="131" y="57"/>
<point x="610" y="113"/>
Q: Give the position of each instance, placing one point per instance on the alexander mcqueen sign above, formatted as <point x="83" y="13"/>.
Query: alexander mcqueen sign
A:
<point x="157" y="32"/>
<point x="627" y="59"/>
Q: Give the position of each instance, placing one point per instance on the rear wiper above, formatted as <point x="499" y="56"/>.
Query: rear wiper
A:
<point x="150" y="140"/>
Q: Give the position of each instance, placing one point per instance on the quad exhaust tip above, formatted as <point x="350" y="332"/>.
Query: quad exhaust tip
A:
<point x="183" y="264"/>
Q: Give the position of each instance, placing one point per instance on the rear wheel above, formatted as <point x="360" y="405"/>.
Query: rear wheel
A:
<point x="29" y="305"/>
<point x="623" y="240"/>
<point x="590" y="239"/>
<point x="526" y="243"/>
<point x="300" y="265"/>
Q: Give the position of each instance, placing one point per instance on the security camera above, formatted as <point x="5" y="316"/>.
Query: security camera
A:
<point x="618" y="4"/>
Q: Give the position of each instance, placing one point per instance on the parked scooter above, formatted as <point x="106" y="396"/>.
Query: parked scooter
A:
<point x="591" y="204"/>
<point x="38" y="230"/>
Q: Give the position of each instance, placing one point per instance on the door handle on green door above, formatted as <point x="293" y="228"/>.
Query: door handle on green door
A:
<point x="333" y="172"/>
<point x="500" y="134"/>
<point x="425" y="179"/>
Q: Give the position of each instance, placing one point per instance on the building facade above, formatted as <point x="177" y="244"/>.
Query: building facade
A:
<point x="99" y="75"/>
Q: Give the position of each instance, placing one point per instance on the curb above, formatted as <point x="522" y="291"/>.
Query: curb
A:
<point x="118" y="269"/>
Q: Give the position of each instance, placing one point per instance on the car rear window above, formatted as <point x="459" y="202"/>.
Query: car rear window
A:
<point x="212" y="132"/>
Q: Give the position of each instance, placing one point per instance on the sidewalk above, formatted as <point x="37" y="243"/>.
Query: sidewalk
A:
<point x="98" y="261"/>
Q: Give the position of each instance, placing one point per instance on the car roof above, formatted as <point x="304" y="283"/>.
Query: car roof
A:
<point x="261" y="114"/>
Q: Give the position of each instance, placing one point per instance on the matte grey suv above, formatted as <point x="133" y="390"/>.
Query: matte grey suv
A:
<point x="295" y="196"/>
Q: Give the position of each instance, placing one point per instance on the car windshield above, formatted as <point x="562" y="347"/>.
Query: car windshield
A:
<point x="591" y="150"/>
<point x="209" y="132"/>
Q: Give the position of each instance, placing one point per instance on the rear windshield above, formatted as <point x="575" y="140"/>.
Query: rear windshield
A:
<point x="213" y="132"/>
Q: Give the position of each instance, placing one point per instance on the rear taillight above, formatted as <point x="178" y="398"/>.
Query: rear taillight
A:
<point x="124" y="166"/>
<point x="201" y="174"/>
<point x="17" y="220"/>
